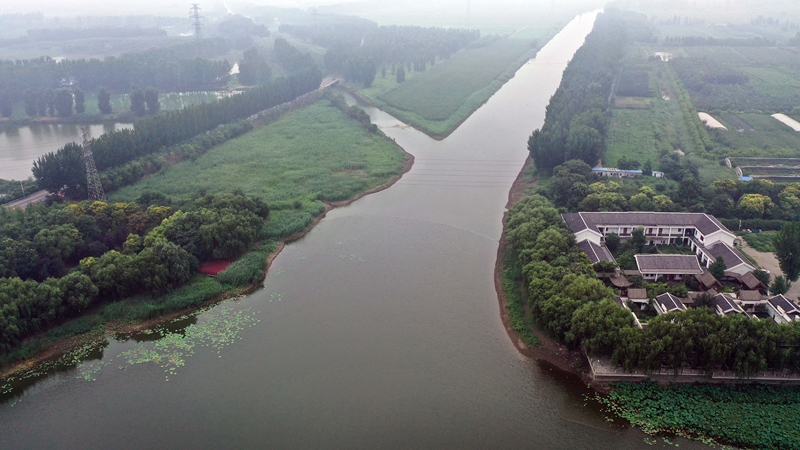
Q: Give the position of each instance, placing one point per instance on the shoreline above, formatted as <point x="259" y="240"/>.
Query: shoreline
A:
<point x="62" y="346"/>
<point x="567" y="361"/>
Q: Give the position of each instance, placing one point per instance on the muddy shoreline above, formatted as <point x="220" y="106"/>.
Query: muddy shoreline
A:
<point x="65" y="345"/>
<point x="571" y="362"/>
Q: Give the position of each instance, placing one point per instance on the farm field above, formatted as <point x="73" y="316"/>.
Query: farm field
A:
<point x="438" y="100"/>
<point x="740" y="78"/>
<point x="756" y="134"/>
<point x="311" y="155"/>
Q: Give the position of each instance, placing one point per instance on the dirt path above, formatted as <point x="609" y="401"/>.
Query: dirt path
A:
<point x="768" y="261"/>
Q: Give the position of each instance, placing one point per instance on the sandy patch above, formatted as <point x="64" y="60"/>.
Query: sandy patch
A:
<point x="788" y="121"/>
<point x="710" y="122"/>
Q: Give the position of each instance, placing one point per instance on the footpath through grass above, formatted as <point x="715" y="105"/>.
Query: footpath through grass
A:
<point x="312" y="155"/>
<point x="438" y="100"/>
<point x="752" y="416"/>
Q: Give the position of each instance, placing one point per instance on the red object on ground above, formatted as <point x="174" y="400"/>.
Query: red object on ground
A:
<point x="213" y="268"/>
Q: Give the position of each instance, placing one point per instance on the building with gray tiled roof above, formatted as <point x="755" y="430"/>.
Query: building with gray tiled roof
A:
<point x="782" y="309"/>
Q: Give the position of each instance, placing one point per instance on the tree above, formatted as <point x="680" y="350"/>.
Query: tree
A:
<point x="80" y="101"/>
<point x="762" y="276"/>
<point x="638" y="240"/>
<point x="31" y="102"/>
<point x="787" y="250"/>
<point x="137" y="102"/>
<point x="57" y="242"/>
<point x="151" y="99"/>
<point x="50" y="101"/>
<point x="755" y="206"/>
<point x="63" y="102"/>
<point x="718" y="267"/>
<point x="780" y="285"/>
<point x="104" y="101"/>
<point x="647" y="169"/>
<point x="254" y="67"/>
<point x="400" y="75"/>
<point x="6" y="104"/>
<point x="612" y="242"/>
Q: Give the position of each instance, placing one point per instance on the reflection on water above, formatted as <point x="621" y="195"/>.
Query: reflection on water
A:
<point x="20" y="146"/>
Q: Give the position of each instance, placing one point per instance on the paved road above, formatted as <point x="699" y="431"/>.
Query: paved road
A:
<point x="768" y="261"/>
<point x="36" y="197"/>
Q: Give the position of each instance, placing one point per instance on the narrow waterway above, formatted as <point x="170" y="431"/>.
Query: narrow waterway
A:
<point x="379" y="329"/>
<point x="21" y="146"/>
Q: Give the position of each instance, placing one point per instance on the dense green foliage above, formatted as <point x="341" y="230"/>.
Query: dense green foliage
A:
<point x="752" y="416"/>
<point x="787" y="250"/>
<point x="57" y="170"/>
<point x="254" y="67"/>
<point x="512" y="278"/>
<point x="575" y="124"/>
<point x="572" y="305"/>
<point x="123" y="250"/>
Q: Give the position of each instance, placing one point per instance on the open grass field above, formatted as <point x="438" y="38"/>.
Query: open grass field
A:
<point x="762" y="242"/>
<point x="438" y="100"/>
<point x="311" y="155"/>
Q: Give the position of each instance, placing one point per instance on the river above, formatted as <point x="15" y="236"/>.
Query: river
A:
<point x="379" y="329"/>
<point x="21" y="146"/>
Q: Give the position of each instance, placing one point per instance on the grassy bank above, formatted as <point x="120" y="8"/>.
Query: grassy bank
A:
<point x="438" y="100"/>
<point x="753" y="416"/>
<point x="512" y="279"/>
<point x="312" y="155"/>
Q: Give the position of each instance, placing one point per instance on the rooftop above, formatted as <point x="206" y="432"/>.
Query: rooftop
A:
<point x="669" y="264"/>
<point x="730" y="255"/>
<point x="595" y="252"/>
<point x="789" y="307"/>
<point x="725" y="305"/>
<point x="670" y="303"/>
<point x="705" y="223"/>
<point x="637" y="294"/>
<point x="746" y="295"/>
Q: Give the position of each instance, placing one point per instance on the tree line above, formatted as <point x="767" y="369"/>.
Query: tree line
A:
<point x="358" y="50"/>
<point x="697" y="41"/>
<point x="173" y="68"/>
<point x="62" y="171"/>
<point x="121" y="250"/>
<point x="574" y="187"/>
<point x="573" y="306"/>
<point x="576" y="123"/>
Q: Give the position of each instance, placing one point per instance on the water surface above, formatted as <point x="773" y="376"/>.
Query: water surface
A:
<point x="21" y="146"/>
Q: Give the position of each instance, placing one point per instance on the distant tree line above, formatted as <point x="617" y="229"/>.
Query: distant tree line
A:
<point x="173" y="68"/>
<point x="576" y="123"/>
<point x="69" y="33"/>
<point x="697" y="41"/>
<point x="61" y="171"/>
<point x="358" y="50"/>
<point x="121" y="250"/>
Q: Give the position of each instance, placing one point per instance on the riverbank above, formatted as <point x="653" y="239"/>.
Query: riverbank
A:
<point x="62" y="346"/>
<point x="572" y="362"/>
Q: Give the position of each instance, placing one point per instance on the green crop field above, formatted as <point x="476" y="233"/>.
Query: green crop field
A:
<point x="751" y="134"/>
<point x="438" y="100"/>
<point x="762" y="242"/>
<point x="311" y="155"/>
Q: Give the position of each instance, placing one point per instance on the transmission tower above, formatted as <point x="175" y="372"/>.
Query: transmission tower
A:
<point x="197" y="24"/>
<point x="93" y="185"/>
